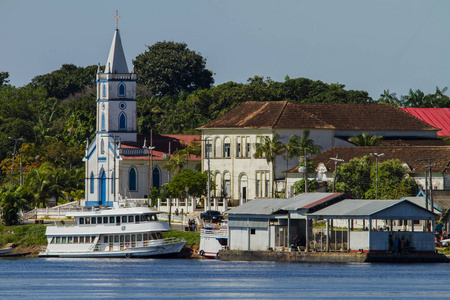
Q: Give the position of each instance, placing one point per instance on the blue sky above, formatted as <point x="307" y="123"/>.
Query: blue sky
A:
<point x="366" y="45"/>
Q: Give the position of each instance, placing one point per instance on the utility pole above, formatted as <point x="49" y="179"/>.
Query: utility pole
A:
<point x="336" y="161"/>
<point x="428" y="167"/>
<point x="149" y="165"/>
<point x="304" y="170"/>
<point x="208" y="206"/>
<point x="376" y="179"/>
<point x="114" y="142"/>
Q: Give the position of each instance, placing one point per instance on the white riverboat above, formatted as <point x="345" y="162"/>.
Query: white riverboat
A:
<point x="112" y="232"/>
<point x="213" y="238"/>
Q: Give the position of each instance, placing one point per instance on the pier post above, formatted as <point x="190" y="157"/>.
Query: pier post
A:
<point x="328" y="235"/>
<point x="307" y="235"/>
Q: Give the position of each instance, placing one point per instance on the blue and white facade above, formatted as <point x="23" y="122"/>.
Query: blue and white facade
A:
<point x="116" y="123"/>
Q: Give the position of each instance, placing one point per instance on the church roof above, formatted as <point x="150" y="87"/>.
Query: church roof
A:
<point x="338" y="116"/>
<point x="116" y="59"/>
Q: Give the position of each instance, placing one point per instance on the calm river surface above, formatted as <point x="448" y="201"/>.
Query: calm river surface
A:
<point x="53" y="278"/>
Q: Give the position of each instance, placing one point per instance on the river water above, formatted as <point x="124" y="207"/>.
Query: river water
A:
<point x="54" y="278"/>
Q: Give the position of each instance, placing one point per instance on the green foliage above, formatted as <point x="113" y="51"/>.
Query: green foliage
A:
<point x="191" y="237"/>
<point x="26" y="235"/>
<point x="196" y="181"/>
<point x="358" y="178"/>
<point x="11" y="203"/>
<point x="299" y="186"/>
<point x="167" y="68"/>
<point x="4" y="78"/>
<point x="365" y="139"/>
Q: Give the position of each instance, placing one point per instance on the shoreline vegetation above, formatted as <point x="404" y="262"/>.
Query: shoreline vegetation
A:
<point x="29" y="238"/>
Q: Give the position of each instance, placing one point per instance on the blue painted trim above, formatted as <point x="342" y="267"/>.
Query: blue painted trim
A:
<point x="123" y="131"/>
<point x="109" y="80"/>
<point x="90" y="153"/>
<point x="102" y="159"/>
<point x="113" y="100"/>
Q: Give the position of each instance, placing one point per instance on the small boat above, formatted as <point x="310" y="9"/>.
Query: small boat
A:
<point x="213" y="238"/>
<point x="7" y="249"/>
<point x="119" y="231"/>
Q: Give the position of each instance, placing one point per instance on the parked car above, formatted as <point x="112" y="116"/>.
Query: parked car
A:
<point x="212" y="216"/>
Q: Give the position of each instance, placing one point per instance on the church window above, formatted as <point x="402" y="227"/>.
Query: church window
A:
<point x="122" y="121"/>
<point x="112" y="182"/>
<point x="103" y="121"/>
<point x="104" y="91"/>
<point x="92" y="183"/>
<point x="156" y="177"/>
<point x="132" y="179"/>
<point x="102" y="147"/>
<point x="121" y="89"/>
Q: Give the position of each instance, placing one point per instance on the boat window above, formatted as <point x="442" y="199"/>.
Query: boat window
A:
<point x="139" y="237"/>
<point x="111" y="220"/>
<point x="121" y="238"/>
<point x="105" y="239"/>
<point x="64" y="239"/>
<point x="159" y="235"/>
<point x="124" y="219"/>
<point x="155" y="217"/>
<point x="58" y="240"/>
<point x="137" y="219"/>
<point x="111" y="238"/>
<point x="81" y="239"/>
<point x="52" y="241"/>
<point x="133" y="238"/>
<point x="145" y="237"/>
<point x="81" y="220"/>
<point x="70" y="240"/>
<point x="94" y="220"/>
<point x="116" y="239"/>
<point x="130" y="219"/>
<point x="99" y="220"/>
<point x="117" y="220"/>
<point x="127" y="238"/>
<point x="147" y="218"/>
<point x="154" y="237"/>
<point x="88" y="220"/>
<point x="75" y="240"/>
<point x="105" y="220"/>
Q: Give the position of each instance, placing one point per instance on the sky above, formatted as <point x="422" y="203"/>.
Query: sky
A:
<point x="373" y="46"/>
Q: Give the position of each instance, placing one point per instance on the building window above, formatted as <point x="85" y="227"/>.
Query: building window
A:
<point x="121" y="89"/>
<point x="102" y="147"/>
<point x="252" y="231"/>
<point x="92" y="183"/>
<point x="227" y="185"/>
<point x="156" y="178"/>
<point x="247" y="153"/>
<point x="112" y="182"/>
<point x="103" y="121"/>
<point x="226" y="149"/>
<point x="104" y="91"/>
<point x="238" y="150"/>
<point x="132" y="179"/>
<point x="208" y="149"/>
<point x="258" y="187"/>
<point x="122" y="121"/>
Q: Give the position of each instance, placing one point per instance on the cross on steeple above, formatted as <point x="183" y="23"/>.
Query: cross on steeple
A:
<point x="117" y="19"/>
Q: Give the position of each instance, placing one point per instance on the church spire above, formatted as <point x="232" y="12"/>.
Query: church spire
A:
<point x="116" y="59"/>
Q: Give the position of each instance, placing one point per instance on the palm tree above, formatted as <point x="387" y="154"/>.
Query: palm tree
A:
<point x="192" y="148"/>
<point x="365" y="139"/>
<point x="175" y="163"/>
<point x="11" y="204"/>
<point x="269" y="148"/>
<point x="291" y="150"/>
<point x="307" y="145"/>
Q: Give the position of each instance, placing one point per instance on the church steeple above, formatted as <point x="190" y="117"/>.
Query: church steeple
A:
<point x="116" y="59"/>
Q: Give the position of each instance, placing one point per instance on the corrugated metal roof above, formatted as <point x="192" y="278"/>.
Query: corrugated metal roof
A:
<point x="267" y="206"/>
<point x="436" y="117"/>
<point x="356" y="208"/>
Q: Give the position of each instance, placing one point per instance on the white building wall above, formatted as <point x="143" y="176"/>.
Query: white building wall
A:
<point x="239" y="236"/>
<point x="259" y="240"/>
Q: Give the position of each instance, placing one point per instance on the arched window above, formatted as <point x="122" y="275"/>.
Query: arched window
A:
<point x="103" y="121"/>
<point x="218" y="148"/>
<point x="132" y="179"/>
<point x="102" y="146"/>
<point x="226" y="184"/>
<point x="156" y="177"/>
<point x="122" y="121"/>
<point x="226" y="147"/>
<point x="121" y="89"/>
<point x="92" y="183"/>
<point x="104" y="90"/>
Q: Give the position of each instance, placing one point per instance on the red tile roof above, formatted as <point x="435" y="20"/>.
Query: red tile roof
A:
<point x="437" y="117"/>
<point x="414" y="156"/>
<point x="339" y="116"/>
<point x="161" y="144"/>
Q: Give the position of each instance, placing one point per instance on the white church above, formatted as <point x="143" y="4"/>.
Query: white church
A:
<point x="120" y="163"/>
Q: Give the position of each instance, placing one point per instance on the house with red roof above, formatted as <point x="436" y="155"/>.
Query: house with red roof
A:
<point x="436" y="117"/>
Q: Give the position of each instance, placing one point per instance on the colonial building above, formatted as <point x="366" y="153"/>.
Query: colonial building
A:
<point x="231" y="139"/>
<point x="119" y="162"/>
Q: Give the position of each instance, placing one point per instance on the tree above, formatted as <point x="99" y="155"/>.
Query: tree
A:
<point x="390" y="98"/>
<point x="11" y="203"/>
<point x="299" y="186"/>
<point x="365" y="139"/>
<point x="269" y="148"/>
<point x="291" y="149"/>
<point x="4" y="78"/>
<point x="358" y="178"/>
<point x="195" y="181"/>
<point x="175" y="163"/>
<point x="167" y="68"/>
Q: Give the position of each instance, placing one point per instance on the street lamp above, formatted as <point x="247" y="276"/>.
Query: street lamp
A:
<point x="13" y="155"/>
<point x="376" y="179"/>
<point x="150" y="166"/>
<point x="336" y="161"/>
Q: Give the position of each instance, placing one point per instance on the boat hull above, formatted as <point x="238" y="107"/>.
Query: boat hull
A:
<point x="163" y="250"/>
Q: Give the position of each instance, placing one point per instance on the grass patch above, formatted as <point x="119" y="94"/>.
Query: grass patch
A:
<point x="191" y="237"/>
<point x="26" y="235"/>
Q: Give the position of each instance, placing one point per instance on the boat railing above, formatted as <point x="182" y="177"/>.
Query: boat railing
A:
<point x="173" y="240"/>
